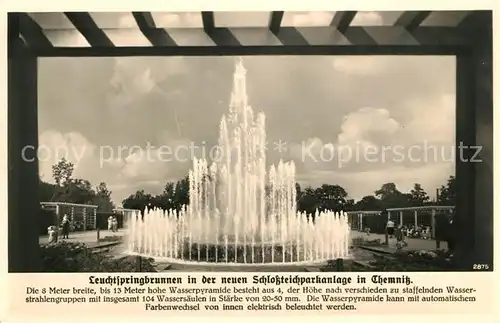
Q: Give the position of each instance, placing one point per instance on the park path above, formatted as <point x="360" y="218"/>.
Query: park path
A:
<point x="90" y="238"/>
<point x="87" y="237"/>
<point x="413" y="244"/>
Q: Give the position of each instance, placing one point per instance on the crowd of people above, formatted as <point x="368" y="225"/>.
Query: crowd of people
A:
<point x="420" y="231"/>
<point x="402" y="232"/>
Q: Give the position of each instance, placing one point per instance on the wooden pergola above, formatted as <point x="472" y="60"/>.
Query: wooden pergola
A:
<point x="89" y="219"/>
<point x="464" y="34"/>
<point x="359" y="216"/>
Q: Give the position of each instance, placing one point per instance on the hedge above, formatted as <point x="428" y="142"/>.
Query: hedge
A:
<point x="66" y="256"/>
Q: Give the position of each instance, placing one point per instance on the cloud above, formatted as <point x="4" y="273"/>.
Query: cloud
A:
<point x="360" y="184"/>
<point x="431" y="120"/>
<point x="366" y="121"/>
<point x="150" y="164"/>
<point x="305" y="99"/>
<point x="373" y="148"/>
<point x="136" y="77"/>
<point x="73" y="146"/>
<point x="130" y="84"/>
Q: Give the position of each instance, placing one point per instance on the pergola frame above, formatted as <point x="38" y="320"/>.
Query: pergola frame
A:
<point x="92" y="215"/>
<point x="415" y="209"/>
<point x="470" y="42"/>
<point x="127" y="213"/>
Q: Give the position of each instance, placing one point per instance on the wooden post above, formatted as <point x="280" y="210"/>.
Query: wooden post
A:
<point x="22" y="165"/>
<point x="72" y="217"/>
<point x="138" y="264"/>
<point x="84" y="219"/>
<point x="361" y="222"/>
<point x="433" y="224"/>
<point x="58" y="218"/>
<point x="339" y="264"/>
<point x="473" y="221"/>
<point x="415" y="217"/>
<point x="400" y="217"/>
<point x="98" y="235"/>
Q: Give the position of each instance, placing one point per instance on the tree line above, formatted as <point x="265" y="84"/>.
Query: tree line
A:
<point x="309" y="199"/>
<point x="74" y="190"/>
<point x="176" y="194"/>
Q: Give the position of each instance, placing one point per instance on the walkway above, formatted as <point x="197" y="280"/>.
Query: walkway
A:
<point x="413" y="244"/>
<point x="87" y="237"/>
<point x="90" y="238"/>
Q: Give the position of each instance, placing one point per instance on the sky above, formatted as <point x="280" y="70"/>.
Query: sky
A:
<point x="104" y="114"/>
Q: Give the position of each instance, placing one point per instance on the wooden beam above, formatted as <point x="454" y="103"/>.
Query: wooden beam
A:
<point x="248" y="51"/>
<point x="30" y="31"/>
<point x="207" y="17"/>
<point x="220" y="36"/>
<point x="325" y="36"/>
<point x="474" y="134"/>
<point x="157" y="36"/>
<point x="23" y="179"/>
<point x="275" y="21"/>
<point x="342" y="20"/>
<point x="412" y="19"/>
<point x="465" y="171"/>
<point x="84" y="23"/>
<point x="446" y="18"/>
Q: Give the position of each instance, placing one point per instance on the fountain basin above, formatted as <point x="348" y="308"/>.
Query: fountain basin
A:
<point x="258" y="254"/>
<point x="240" y="211"/>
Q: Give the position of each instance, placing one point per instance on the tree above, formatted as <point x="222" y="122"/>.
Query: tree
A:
<point x="447" y="193"/>
<point x="165" y="200"/>
<point x="77" y="191"/>
<point x="46" y="191"/>
<point x="298" y="192"/>
<point x="62" y="172"/>
<point x="309" y="201"/>
<point x="418" y="196"/>
<point x="387" y="191"/>
<point x="349" y="205"/>
<point x="331" y="197"/>
<point x="181" y="193"/>
<point x="102" y="190"/>
<point x="138" y="201"/>
<point x="102" y="198"/>
<point x="368" y="203"/>
<point x="169" y="189"/>
<point x="391" y="197"/>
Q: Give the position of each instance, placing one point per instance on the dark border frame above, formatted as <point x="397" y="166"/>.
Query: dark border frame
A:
<point x="474" y="127"/>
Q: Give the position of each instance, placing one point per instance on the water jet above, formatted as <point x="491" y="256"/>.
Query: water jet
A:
<point x="239" y="212"/>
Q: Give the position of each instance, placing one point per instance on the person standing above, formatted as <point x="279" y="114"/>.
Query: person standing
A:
<point x="53" y="232"/>
<point x="65" y="227"/>
<point x="400" y="237"/>
<point x="390" y="228"/>
<point x="110" y="223"/>
<point x="114" y="223"/>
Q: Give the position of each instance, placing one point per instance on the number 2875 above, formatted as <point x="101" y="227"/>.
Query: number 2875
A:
<point x="480" y="267"/>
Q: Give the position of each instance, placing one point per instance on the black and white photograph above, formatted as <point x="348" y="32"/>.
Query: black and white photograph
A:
<point x="250" y="141"/>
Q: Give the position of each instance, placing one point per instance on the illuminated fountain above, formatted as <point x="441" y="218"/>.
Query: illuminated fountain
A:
<point x="238" y="212"/>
